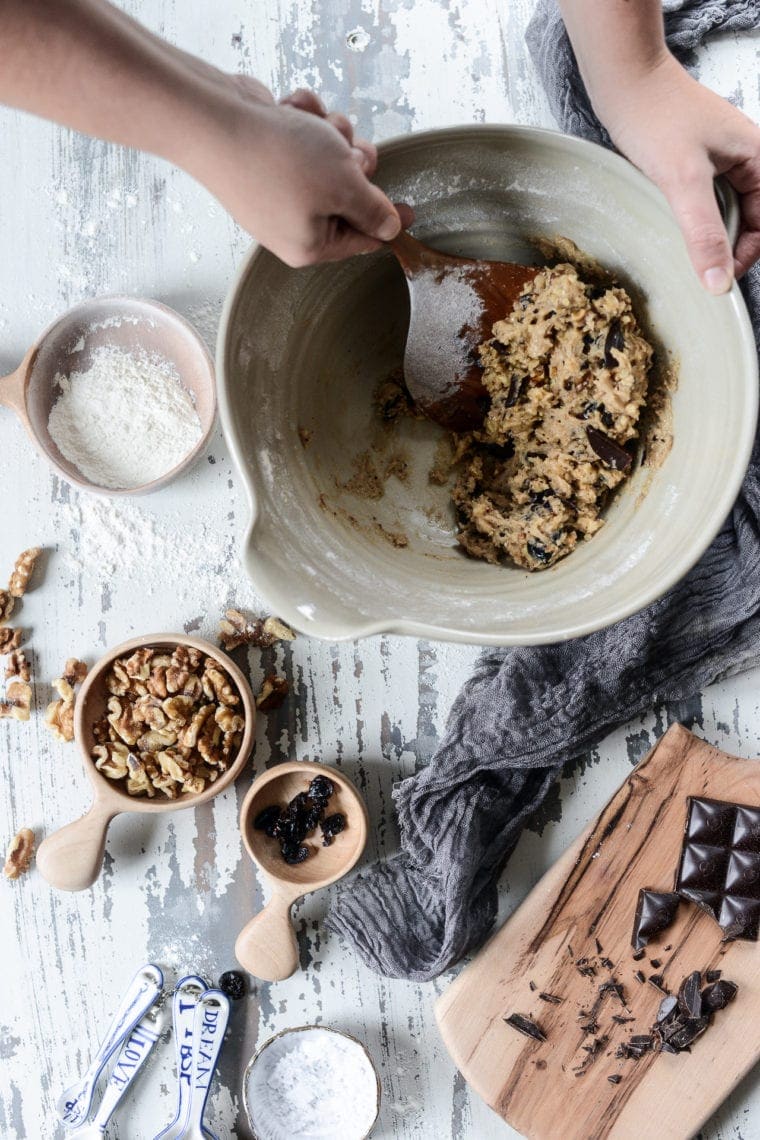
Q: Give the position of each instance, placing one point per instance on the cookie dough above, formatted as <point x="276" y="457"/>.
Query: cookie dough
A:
<point x="567" y="374"/>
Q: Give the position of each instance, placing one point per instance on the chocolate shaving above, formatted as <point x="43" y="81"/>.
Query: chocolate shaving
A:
<point x="639" y="977"/>
<point x="689" y="995"/>
<point x="614" y="1078"/>
<point x="533" y="987"/>
<point x="551" y="998"/>
<point x="526" y="1025"/>
<point x="610" y="452"/>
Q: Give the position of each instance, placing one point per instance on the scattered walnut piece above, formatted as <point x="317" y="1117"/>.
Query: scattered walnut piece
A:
<point x="20" y="852"/>
<point x="18" y="666"/>
<point x="18" y="583"/>
<point x="273" y="692"/>
<point x="10" y="639"/>
<point x="18" y="701"/>
<point x="7" y="602"/>
<point x="172" y="726"/>
<point x="59" y="715"/>
<point x="236" y="629"/>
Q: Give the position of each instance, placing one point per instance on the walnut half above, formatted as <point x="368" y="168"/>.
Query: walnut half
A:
<point x="59" y="716"/>
<point x="236" y="629"/>
<point x="18" y="701"/>
<point x="20" y="852"/>
<point x="22" y="571"/>
<point x="273" y="692"/>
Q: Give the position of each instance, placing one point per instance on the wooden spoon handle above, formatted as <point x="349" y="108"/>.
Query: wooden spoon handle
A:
<point x="71" y="858"/>
<point x="12" y="391"/>
<point x="267" y="946"/>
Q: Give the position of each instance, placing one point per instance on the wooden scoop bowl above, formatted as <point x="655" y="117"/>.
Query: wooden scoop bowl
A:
<point x="267" y="946"/>
<point x="129" y="323"/>
<point x="71" y="858"/>
<point x="454" y="304"/>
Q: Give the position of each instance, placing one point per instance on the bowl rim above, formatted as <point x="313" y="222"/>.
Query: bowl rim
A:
<point x="352" y="626"/>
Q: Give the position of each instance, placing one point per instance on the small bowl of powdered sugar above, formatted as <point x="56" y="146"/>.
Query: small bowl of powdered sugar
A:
<point x="119" y="394"/>
<point x="312" y="1083"/>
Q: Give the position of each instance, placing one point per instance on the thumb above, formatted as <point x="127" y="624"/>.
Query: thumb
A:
<point x="368" y="210"/>
<point x="695" y="206"/>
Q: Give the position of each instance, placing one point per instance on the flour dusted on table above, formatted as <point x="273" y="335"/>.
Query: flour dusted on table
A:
<point x="126" y="420"/>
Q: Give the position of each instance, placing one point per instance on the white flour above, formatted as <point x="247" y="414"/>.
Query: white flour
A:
<point x="126" y="421"/>
<point x="312" y="1085"/>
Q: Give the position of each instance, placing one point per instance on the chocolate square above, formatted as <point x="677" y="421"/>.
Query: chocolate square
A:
<point x="743" y="874"/>
<point x="709" y="901"/>
<point x="703" y="867"/>
<point x="740" y="918"/>
<point x="747" y="829"/>
<point x="711" y="822"/>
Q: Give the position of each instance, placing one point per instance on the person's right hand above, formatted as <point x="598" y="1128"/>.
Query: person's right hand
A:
<point x="292" y="175"/>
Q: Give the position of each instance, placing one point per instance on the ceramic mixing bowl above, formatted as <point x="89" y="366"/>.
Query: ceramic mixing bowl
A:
<point x="302" y="351"/>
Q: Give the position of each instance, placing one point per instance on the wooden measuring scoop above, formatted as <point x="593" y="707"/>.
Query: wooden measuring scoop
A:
<point x="71" y="858"/>
<point x="133" y="324"/>
<point x="267" y="946"/>
<point x="454" y="304"/>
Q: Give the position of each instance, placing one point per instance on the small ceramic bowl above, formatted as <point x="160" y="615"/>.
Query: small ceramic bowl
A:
<point x="129" y="323"/>
<point x="256" y="1083"/>
<point x="302" y="351"/>
<point x="71" y="858"/>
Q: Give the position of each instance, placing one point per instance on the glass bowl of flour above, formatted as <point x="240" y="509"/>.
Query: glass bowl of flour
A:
<point x="311" y="1083"/>
<point x="119" y="394"/>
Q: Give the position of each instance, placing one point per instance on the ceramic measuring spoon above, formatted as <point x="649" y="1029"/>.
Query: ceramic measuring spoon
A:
<point x="133" y="1055"/>
<point x="71" y="858"/>
<point x="186" y="994"/>
<point x="212" y="1013"/>
<point x="143" y="992"/>
<point x="129" y="323"/>
<point x="267" y="946"/>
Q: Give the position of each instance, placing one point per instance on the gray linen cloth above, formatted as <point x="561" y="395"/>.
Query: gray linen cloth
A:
<point x="526" y="712"/>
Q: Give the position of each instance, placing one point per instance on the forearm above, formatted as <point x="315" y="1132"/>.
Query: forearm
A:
<point x="618" y="44"/>
<point x="84" y="64"/>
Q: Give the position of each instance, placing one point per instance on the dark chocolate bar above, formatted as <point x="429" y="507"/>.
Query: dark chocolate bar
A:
<point x="719" y="868"/>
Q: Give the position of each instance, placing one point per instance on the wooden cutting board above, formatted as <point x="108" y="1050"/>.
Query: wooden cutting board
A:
<point x="589" y="894"/>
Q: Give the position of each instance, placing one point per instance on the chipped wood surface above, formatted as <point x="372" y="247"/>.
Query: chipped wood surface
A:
<point x="80" y="218"/>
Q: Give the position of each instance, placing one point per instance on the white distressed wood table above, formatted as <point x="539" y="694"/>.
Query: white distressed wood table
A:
<point x="80" y="218"/>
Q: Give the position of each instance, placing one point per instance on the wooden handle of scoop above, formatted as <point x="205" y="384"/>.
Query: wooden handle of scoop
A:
<point x="71" y="858"/>
<point x="12" y="391"/>
<point x="267" y="946"/>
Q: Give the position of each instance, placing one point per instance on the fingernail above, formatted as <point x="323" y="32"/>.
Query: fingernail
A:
<point x="389" y="228"/>
<point x="717" y="280"/>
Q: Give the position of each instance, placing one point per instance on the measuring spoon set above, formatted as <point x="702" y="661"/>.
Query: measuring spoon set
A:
<point x="199" y="1016"/>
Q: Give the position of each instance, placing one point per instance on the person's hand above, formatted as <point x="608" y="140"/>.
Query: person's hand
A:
<point x="291" y="174"/>
<point x="681" y="134"/>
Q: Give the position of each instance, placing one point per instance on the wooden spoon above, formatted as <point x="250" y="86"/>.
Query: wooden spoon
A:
<point x="267" y="946"/>
<point x="454" y="304"/>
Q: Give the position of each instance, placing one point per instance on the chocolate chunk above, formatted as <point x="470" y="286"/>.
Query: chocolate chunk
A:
<point x="517" y="386"/>
<point x="712" y="975"/>
<point x="614" y="1078"/>
<point x="538" y="553"/>
<point x="690" y="996"/>
<point x="552" y="998"/>
<point x="526" y="1025"/>
<point x="533" y="986"/>
<point x="655" y="912"/>
<point x="717" y="996"/>
<point x="719" y="868"/>
<point x="614" y="339"/>
<point x="639" y="977"/>
<point x="688" y="1032"/>
<point x="610" y="452"/>
<point x="668" y="1005"/>
<point x="638" y="954"/>
<point x="657" y="981"/>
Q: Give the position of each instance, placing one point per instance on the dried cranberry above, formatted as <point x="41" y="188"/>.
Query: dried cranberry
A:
<point x="268" y="821"/>
<point x="294" y="853"/>
<point x="233" y="985"/>
<point x="321" y="788"/>
<point x="332" y="826"/>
